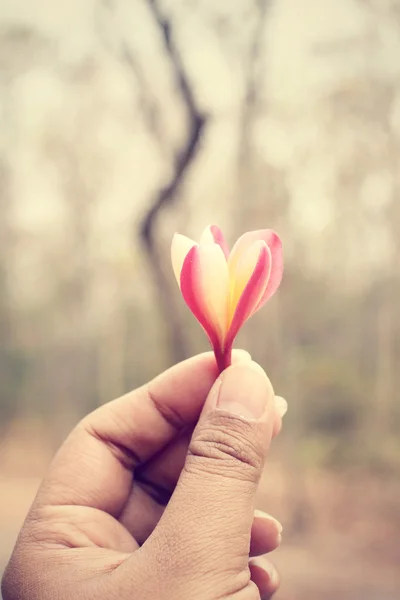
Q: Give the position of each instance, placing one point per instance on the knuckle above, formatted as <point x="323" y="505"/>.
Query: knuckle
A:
<point x="229" y="446"/>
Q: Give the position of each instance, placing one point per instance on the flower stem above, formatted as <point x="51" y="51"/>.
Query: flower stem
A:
<point x="223" y="358"/>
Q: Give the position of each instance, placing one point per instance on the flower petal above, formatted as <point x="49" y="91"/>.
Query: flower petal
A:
<point x="244" y="269"/>
<point x="212" y="234"/>
<point x="253" y="290"/>
<point x="275" y="277"/>
<point x="179" y="250"/>
<point x="274" y="244"/>
<point x="205" y="288"/>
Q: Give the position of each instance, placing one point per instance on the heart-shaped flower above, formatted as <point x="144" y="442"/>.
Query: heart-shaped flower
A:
<point x="224" y="288"/>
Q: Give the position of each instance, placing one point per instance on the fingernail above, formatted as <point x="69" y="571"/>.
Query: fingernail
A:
<point x="261" y="563"/>
<point x="281" y="405"/>
<point x="263" y="515"/>
<point x="244" y="391"/>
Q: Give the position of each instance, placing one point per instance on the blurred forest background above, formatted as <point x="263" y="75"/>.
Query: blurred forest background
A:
<point x="123" y="121"/>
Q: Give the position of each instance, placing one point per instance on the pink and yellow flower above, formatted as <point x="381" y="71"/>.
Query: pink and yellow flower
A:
<point x="224" y="288"/>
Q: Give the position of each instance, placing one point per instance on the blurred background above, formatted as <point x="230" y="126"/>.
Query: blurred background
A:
<point x="124" y="121"/>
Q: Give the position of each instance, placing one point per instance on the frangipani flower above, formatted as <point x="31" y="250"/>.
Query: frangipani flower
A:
<point x="224" y="288"/>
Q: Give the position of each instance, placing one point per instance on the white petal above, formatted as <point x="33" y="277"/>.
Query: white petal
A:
<point x="214" y="286"/>
<point x="207" y="236"/>
<point x="179" y="250"/>
<point x="241" y="271"/>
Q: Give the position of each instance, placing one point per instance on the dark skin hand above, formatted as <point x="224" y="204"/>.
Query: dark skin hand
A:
<point x="152" y="496"/>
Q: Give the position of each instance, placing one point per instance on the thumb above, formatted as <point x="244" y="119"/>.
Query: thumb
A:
<point x="209" y="517"/>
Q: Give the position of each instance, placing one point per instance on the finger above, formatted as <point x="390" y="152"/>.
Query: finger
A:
<point x="153" y="489"/>
<point x="265" y="576"/>
<point x="147" y="501"/>
<point x="164" y="469"/>
<point x="210" y="514"/>
<point x="145" y="508"/>
<point x="266" y="534"/>
<point x="158" y="478"/>
<point x="94" y="466"/>
<point x="142" y="513"/>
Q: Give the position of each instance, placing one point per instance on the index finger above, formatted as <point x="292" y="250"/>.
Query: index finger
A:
<point x="95" y="465"/>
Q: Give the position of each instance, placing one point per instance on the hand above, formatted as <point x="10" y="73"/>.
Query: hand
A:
<point x="137" y="505"/>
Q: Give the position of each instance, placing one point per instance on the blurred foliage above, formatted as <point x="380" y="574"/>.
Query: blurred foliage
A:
<point x="98" y="140"/>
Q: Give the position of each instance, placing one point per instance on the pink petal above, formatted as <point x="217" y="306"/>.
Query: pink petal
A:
<point x="275" y="245"/>
<point x="213" y="234"/>
<point x="205" y="289"/>
<point x="252" y="293"/>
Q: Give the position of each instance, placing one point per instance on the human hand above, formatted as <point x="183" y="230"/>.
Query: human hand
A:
<point x="138" y="505"/>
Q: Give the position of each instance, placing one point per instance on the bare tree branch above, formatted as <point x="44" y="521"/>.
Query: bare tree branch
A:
<point x="169" y="193"/>
<point x="182" y="161"/>
<point x="197" y="121"/>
